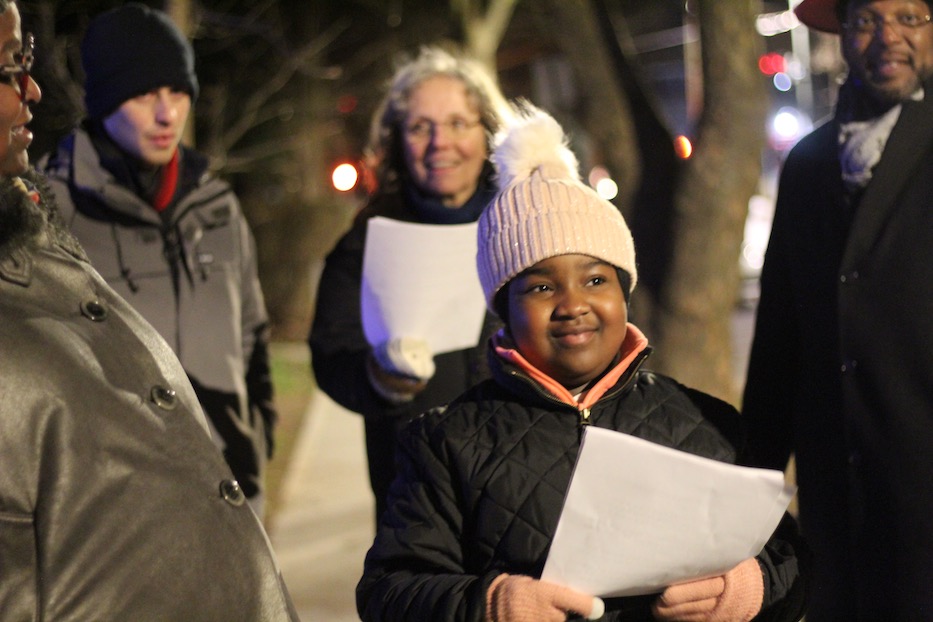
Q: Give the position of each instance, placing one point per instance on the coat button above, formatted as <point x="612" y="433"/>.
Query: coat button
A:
<point x="164" y="398"/>
<point x="94" y="310"/>
<point x="232" y="493"/>
<point x="851" y="277"/>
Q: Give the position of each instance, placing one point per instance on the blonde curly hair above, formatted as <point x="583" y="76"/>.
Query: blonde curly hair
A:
<point x="385" y="136"/>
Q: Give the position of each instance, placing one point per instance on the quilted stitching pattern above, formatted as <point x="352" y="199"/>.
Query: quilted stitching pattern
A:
<point x="512" y="463"/>
<point x="482" y="484"/>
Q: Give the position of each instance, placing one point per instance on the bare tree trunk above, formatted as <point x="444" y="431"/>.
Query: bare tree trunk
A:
<point x="181" y="14"/>
<point x="607" y="115"/>
<point x="297" y="224"/>
<point x="650" y="212"/>
<point x="698" y="299"/>
<point x="483" y="31"/>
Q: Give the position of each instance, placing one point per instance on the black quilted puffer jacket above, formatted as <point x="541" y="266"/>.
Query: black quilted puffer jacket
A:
<point x="482" y="482"/>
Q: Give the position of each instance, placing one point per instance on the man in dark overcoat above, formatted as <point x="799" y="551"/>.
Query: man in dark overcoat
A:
<point x="841" y="370"/>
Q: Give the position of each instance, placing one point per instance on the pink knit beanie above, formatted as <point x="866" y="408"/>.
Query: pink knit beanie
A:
<point x="543" y="209"/>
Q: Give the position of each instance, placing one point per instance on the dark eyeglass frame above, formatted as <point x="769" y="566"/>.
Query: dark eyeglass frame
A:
<point x="18" y="72"/>
<point x="903" y="23"/>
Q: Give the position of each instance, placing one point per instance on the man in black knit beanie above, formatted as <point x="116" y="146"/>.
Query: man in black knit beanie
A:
<point x="165" y="233"/>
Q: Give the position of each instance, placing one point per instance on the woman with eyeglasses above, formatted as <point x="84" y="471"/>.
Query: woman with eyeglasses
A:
<point x="431" y="139"/>
<point x="114" y="502"/>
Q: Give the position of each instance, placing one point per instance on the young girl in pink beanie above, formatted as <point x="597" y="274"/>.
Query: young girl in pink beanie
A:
<point x="482" y="481"/>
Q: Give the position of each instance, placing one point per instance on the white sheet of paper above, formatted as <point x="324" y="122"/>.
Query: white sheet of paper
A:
<point x="639" y="517"/>
<point x="421" y="281"/>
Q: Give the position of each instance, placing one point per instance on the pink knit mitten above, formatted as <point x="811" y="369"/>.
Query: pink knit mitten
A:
<point x="517" y="598"/>
<point x="732" y="597"/>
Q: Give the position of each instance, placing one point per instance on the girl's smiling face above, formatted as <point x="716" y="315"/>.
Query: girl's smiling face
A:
<point x="568" y="317"/>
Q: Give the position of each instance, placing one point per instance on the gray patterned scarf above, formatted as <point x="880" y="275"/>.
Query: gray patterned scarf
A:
<point x="863" y="133"/>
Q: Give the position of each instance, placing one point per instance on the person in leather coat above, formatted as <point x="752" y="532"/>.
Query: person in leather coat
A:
<point x="164" y="232"/>
<point x="482" y="481"/>
<point x="114" y="502"/>
<point x="431" y="135"/>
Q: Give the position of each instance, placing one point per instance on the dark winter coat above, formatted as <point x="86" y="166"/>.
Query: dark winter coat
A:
<point x="339" y="349"/>
<point x="482" y="483"/>
<point x="114" y="502"/>
<point x="193" y="278"/>
<point x="841" y="370"/>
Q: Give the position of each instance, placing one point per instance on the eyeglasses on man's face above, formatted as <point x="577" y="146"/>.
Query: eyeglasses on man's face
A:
<point x="16" y="74"/>
<point x="423" y="129"/>
<point x="903" y="22"/>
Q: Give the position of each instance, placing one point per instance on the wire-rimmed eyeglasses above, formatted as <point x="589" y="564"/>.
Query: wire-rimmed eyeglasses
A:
<point x="423" y="129"/>
<point x="868" y="23"/>
<point x="16" y="74"/>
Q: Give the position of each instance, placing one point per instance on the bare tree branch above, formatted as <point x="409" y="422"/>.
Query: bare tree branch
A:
<point x="255" y="108"/>
<point x="484" y="32"/>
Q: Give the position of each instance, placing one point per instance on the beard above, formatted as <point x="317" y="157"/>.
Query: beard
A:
<point x="887" y="96"/>
<point x="27" y="208"/>
<point x="20" y="217"/>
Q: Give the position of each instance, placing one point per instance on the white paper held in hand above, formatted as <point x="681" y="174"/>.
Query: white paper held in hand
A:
<point x="421" y="281"/>
<point x="639" y="516"/>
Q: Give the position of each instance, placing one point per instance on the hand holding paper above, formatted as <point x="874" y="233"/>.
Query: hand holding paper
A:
<point x="421" y="281"/>
<point x="405" y="356"/>
<point x="518" y="598"/>
<point x="735" y="596"/>
<point x="639" y="517"/>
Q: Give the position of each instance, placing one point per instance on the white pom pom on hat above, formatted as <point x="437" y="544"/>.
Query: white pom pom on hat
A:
<point x="543" y="209"/>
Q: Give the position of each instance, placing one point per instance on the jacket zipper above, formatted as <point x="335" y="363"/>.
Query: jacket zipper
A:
<point x="583" y="414"/>
<point x="625" y="382"/>
<point x="522" y="377"/>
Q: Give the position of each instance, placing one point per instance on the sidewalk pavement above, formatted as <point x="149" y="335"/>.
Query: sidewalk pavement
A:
<point x="325" y="524"/>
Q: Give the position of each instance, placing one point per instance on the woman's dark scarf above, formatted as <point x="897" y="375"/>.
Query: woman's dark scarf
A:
<point x="432" y="211"/>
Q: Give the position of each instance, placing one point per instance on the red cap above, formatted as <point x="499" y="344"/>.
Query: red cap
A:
<point x="819" y="15"/>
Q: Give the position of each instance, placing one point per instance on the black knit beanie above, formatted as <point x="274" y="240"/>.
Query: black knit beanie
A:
<point x="132" y="50"/>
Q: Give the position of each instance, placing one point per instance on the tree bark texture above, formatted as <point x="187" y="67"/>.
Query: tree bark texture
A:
<point x="606" y="113"/>
<point x="694" y="341"/>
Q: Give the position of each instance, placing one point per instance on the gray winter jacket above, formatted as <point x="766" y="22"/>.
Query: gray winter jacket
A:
<point x="193" y="277"/>
<point x="114" y="503"/>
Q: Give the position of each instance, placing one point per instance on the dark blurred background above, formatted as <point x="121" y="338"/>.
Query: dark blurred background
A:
<point x="683" y="109"/>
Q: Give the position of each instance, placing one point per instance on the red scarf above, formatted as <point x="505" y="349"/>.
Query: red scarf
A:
<point x="167" y="184"/>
